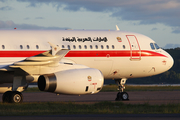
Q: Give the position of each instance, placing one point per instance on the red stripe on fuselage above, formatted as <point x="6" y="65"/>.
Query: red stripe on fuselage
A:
<point x="113" y="53"/>
<point x="88" y="53"/>
<point x="19" y="53"/>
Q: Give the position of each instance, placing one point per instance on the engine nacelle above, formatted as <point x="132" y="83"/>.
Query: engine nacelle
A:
<point x="74" y="81"/>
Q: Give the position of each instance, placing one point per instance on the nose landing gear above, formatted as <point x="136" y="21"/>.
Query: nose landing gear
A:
<point x="121" y="95"/>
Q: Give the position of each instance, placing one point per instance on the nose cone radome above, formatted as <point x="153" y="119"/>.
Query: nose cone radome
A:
<point x="170" y="61"/>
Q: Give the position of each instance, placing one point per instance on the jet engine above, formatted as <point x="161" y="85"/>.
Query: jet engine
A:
<point x="73" y="81"/>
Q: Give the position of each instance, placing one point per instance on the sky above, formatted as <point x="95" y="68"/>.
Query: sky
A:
<point x="157" y="19"/>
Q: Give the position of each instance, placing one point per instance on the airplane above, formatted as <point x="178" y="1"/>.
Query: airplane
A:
<point x="75" y="62"/>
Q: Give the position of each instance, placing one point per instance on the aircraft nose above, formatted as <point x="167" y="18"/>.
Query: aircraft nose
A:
<point x="170" y="61"/>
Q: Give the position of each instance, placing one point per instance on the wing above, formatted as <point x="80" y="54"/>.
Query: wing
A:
<point x="38" y="63"/>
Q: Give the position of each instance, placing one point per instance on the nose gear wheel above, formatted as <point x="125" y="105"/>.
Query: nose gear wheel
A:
<point x="121" y="95"/>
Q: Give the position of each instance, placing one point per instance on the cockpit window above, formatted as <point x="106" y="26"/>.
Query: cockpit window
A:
<point x="152" y="46"/>
<point x="157" y="47"/>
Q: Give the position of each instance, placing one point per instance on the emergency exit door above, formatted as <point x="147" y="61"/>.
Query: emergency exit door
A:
<point x="135" y="51"/>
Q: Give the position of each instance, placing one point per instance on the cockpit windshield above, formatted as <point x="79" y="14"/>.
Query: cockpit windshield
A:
<point x="157" y="47"/>
<point x="154" y="46"/>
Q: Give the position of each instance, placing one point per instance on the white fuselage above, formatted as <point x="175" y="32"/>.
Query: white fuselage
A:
<point x="116" y="54"/>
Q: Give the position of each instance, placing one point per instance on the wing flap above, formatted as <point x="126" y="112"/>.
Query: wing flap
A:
<point x="32" y="63"/>
<point x="36" y="58"/>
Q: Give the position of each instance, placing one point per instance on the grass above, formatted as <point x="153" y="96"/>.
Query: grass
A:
<point x="66" y="108"/>
<point x="33" y="89"/>
<point x="113" y="88"/>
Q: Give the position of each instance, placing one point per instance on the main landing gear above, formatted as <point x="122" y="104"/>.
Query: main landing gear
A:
<point x="12" y="97"/>
<point x="121" y="95"/>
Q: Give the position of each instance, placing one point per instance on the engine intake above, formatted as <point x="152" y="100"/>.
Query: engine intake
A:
<point x="47" y="83"/>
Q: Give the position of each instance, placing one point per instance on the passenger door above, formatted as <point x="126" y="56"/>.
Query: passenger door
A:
<point x="135" y="51"/>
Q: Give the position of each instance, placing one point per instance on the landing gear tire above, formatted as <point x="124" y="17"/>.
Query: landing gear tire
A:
<point x="16" y="97"/>
<point x="6" y="96"/>
<point x="122" y="96"/>
<point x="125" y="96"/>
<point x="12" y="97"/>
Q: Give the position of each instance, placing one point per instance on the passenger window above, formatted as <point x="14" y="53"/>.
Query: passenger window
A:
<point x="107" y="46"/>
<point x="102" y="47"/>
<point x="152" y="46"/>
<point x="69" y="47"/>
<point x="3" y="46"/>
<point x="79" y="46"/>
<point x="112" y="46"/>
<point x="28" y="47"/>
<point x="157" y="47"/>
<point x="124" y="47"/>
<point x="96" y="46"/>
<point x="21" y="47"/>
<point x="62" y="46"/>
<point x="85" y="47"/>
<point x="91" y="46"/>
<point x="74" y="46"/>
<point x="37" y="46"/>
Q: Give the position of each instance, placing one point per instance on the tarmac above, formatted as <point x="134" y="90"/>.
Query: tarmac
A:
<point x="136" y="97"/>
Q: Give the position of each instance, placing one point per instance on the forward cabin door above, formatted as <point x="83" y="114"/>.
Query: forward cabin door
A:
<point x="135" y="51"/>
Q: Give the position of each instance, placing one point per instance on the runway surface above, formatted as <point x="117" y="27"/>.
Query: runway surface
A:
<point x="98" y="117"/>
<point x="136" y="97"/>
<point x="141" y="97"/>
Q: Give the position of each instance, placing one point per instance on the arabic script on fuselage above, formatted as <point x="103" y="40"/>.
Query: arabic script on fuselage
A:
<point x="90" y="39"/>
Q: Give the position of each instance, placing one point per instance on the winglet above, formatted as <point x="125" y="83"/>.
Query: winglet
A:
<point x="55" y="48"/>
<point x="117" y="28"/>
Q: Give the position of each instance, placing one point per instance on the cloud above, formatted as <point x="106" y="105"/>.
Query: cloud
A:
<point x="2" y="0"/>
<point x="27" y="18"/>
<point x="176" y="29"/>
<point x="168" y="46"/>
<point x="6" y="8"/>
<point x="12" y="25"/>
<point x="154" y="29"/>
<point x="39" y="18"/>
<point x="145" y="11"/>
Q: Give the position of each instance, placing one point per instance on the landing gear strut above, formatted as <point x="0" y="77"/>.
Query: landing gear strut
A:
<point x="121" y="95"/>
<point x="12" y="97"/>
